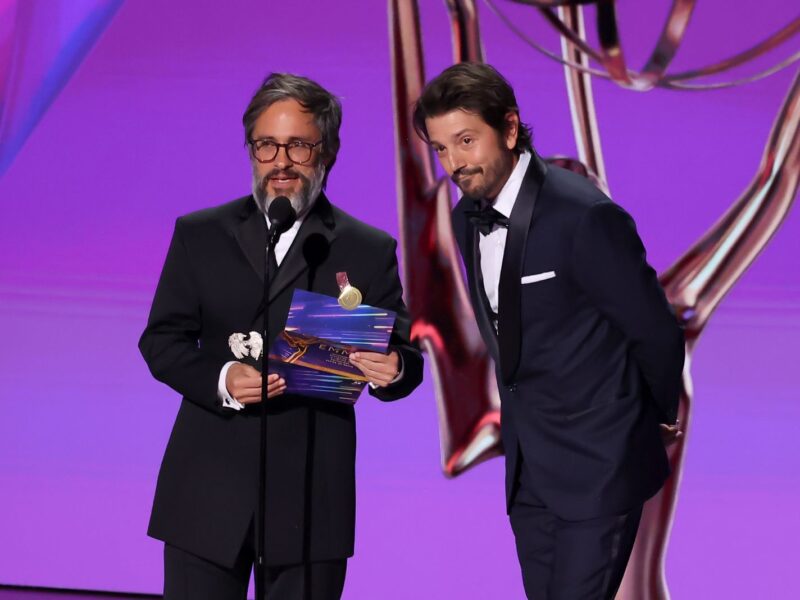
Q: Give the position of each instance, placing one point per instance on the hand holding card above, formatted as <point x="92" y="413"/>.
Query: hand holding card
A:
<point x="313" y="352"/>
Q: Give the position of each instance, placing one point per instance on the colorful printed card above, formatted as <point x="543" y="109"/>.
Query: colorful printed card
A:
<point x="312" y="352"/>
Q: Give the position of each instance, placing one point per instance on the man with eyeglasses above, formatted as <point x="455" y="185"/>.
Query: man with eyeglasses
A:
<point x="211" y="286"/>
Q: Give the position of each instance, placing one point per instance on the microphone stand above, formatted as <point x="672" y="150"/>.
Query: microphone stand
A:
<point x="273" y="233"/>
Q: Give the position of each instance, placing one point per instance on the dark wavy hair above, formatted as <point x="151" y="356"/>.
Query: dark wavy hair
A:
<point x="475" y="88"/>
<point x="324" y="106"/>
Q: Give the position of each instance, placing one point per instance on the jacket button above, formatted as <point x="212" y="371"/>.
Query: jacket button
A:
<point x="512" y="388"/>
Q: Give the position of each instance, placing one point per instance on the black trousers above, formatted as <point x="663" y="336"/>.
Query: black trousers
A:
<point x="189" y="577"/>
<point x="570" y="560"/>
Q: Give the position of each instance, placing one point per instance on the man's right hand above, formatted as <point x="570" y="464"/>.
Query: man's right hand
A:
<point x="244" y="383"/>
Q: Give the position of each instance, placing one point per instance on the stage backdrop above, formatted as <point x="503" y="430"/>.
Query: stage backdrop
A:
<point x="148" y="128"/>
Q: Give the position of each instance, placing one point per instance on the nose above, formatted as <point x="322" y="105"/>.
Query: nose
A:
<point x="282" y="159"/>
<point x="454" y="161"/>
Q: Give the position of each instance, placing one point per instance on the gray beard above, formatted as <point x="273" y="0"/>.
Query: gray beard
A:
<point x="301" y="201"/>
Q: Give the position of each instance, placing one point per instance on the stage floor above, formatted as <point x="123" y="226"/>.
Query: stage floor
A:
<point x="21" y="593"/>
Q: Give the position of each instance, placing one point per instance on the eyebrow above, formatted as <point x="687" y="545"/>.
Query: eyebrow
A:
<point x="456" y="135"/>
<point x="462" y="132"/>
<point x="272" y="138"/>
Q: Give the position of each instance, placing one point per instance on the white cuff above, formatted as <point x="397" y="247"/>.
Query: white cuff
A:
<point x="228" y="401"/>
<point x="397" y="377"/>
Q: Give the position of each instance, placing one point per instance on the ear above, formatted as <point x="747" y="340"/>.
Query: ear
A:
<point x="327" y="161"/>
<point x="512" y="130"/>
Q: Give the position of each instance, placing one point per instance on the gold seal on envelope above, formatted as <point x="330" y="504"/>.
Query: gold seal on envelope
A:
<point x="349" y="296"/>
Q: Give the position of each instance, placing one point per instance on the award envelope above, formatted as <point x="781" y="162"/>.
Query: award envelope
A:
<point x="311" y="353"/>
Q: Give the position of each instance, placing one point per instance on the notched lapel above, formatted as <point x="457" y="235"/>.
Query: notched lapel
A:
<point x="251" y="234"/>
<point x="309" y="248"/>
<point x="510" y="318"/>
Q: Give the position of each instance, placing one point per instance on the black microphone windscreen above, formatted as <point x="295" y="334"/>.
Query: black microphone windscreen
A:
<point x="281" y="214"/>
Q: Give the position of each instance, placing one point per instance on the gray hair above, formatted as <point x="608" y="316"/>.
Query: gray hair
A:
<point x="325" y="107"/>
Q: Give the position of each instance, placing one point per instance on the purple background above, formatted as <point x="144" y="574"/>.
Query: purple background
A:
<point x="149" y="128"/>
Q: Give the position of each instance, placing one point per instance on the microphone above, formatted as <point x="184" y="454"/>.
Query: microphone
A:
<point x="281" y="216"/>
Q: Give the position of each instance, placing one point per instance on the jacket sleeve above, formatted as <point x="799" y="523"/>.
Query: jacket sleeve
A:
<point x="609" y="264"/>
<point x="387" y="292"/>
<point x="170" y="342"/>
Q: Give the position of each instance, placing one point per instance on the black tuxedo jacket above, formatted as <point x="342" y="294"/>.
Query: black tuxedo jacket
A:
<point x="212" y="286"/>
<point x="589" y="360"/>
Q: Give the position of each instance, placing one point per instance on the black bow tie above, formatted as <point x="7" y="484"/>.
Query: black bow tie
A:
<point x="486" y="219"/>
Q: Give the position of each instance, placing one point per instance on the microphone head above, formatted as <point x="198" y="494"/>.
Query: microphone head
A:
<point x="281" y="214"/>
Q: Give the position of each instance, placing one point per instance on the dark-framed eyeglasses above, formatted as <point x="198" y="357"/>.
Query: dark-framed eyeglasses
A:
<point x="265" y="151"/>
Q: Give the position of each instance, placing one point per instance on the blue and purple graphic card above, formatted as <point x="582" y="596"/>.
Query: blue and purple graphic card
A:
<point x="312" y="352"/>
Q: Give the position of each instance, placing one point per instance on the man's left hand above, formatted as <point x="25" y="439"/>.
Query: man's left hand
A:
<point x="379" y="369"/>
<point x="671" y="433"/>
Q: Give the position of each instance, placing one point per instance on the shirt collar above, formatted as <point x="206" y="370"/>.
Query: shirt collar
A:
<point x="293" y="229"/>
<point x="296" y="225"/>
<point x="508" y="195"/>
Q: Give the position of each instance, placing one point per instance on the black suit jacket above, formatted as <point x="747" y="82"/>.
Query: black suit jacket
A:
<point x="589" y="362"/>
<point x="212" y="286"/>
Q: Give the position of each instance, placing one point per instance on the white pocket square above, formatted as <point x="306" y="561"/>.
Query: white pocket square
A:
<point x="538" y="277"/>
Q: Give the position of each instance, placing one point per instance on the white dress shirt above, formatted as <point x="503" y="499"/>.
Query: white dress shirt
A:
<point x="493" y="245"/>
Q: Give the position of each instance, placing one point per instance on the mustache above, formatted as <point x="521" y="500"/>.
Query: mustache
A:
<point x="285" y="173"/>
<point x="465" y="172"/>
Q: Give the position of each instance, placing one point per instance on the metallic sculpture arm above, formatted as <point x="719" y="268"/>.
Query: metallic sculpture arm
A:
<point x="699" y="280"/>
<point x="442" y="318"/>
<point x="610" y="56"/>
<point x="581" y="99"/>
<point x="467" y="46"/>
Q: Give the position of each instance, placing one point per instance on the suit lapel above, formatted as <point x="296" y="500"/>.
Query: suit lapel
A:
<point x="251" y="234"/>
<point x="510" y="318"/>
<point x="476" y="289"/>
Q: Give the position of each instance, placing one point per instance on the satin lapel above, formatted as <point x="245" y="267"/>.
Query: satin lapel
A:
<point x="477" y="292"/>
<point x="251" y="234"/>
<point x="510" y="318"/>
<point x="318" y="222"/>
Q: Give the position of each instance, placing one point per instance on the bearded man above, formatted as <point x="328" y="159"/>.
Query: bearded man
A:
<point x="205" y="507"/>
<point x="588" y="352"/>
